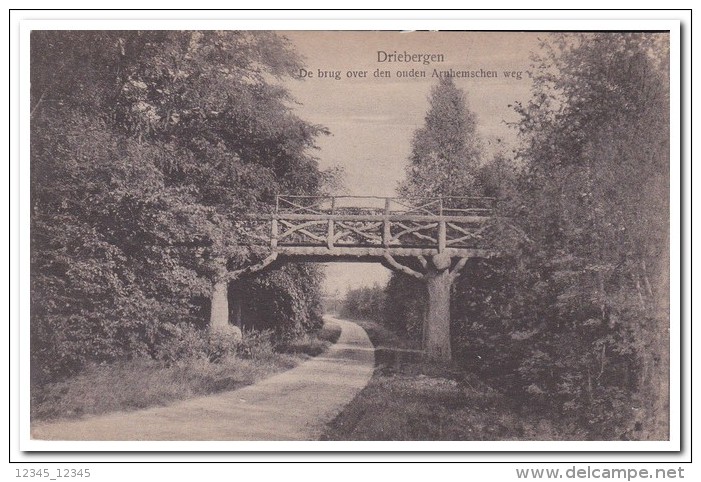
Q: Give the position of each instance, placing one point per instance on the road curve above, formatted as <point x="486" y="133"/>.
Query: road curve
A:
<point x="293" y="405"/>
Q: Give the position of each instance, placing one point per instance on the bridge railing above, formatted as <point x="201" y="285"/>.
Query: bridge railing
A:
<point x="331" y="222"/>
<point x="371" y="221"/>
<point x="375" y="205"/>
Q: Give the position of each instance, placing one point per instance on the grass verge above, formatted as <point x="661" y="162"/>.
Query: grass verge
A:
<point x="142" y="383"/>
<point x="412" y="399"/>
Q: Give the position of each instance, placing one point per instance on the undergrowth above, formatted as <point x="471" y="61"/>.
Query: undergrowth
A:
<point x="188" y="366"/>
<point x="409" y="398"/>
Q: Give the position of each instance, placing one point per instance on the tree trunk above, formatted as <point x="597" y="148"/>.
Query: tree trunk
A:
<point x="219" y="314"/>
<point x="437" y="322"/>
<point x="237" y="313"/>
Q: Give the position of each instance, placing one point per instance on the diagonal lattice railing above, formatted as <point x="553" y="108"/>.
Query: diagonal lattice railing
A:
<point x="364" y="225"/>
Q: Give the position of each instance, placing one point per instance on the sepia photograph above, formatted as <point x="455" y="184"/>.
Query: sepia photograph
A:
<point x="349" y="236"/>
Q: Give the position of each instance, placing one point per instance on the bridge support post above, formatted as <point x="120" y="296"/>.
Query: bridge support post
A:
<point x="438" y="276"/>
<point x="438" y="279"/>
<point x="437" y="323"/>
<point x="219" y="313"/>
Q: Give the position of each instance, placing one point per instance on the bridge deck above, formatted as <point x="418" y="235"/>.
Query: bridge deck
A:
<point x="356" y="253"/>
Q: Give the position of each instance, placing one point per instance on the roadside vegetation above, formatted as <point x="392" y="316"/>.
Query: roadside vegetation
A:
<point x="146" y="148"/>
<point x="412" y="399"/>
<point x="208" y="365"/>
<point x="572" y="319"/>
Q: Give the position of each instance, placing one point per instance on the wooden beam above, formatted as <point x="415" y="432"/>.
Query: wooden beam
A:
<point x="299" y="228"/>
<point x="458" y="266"/>
<point x="414" y="231"/>
<point x="419" y="218"/>
<point x="379" y="251"/>
<point x="273" y="234"/>
<point x="386" y="226"/>
<point x="330" y="235"/>
<point x="401" y="268"/>
<point x="232" y="275"/>
<point x="441" y="236"/>
<point x="362" y="231"/>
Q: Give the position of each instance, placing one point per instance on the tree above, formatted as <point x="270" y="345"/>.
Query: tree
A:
<point x="145" y="148"/>
<point x="444" y="163"/>
<point x="365" y="302"/>
<point x="574" y="318"/>
<point x="446" y="151"/>
<point x="595" y="197"/>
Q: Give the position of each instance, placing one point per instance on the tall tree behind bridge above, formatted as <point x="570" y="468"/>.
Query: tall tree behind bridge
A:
<point x="446" y="151"/>
<point x="445" y="161"/>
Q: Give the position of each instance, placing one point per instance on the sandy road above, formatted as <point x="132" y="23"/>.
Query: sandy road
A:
<point x="293" y="405"/>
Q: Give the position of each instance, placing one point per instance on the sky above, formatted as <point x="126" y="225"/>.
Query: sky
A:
<point x="372" y="119"/>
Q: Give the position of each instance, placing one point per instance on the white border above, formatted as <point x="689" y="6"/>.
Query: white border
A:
<point x="27" y="444"/>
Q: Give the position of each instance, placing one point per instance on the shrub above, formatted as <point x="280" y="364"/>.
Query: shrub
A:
<point x="187" y="342"/>
<point x="222" y="341"/>
<point x="257" y="345"/>
<point x="364" y="303"/>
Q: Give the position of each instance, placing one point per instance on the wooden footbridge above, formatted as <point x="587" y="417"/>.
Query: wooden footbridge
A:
<point x="427" y="238"/>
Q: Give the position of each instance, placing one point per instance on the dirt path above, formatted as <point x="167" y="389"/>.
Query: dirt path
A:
<point x="293" y="405"/>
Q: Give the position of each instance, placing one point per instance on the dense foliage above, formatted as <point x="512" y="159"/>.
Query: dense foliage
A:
<point x="145" y="146"/>
<point x="575" y="319"/>
<point x="364" y="303"/>
<point x="285" y="300"/>
<point x="446" y="150"/>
